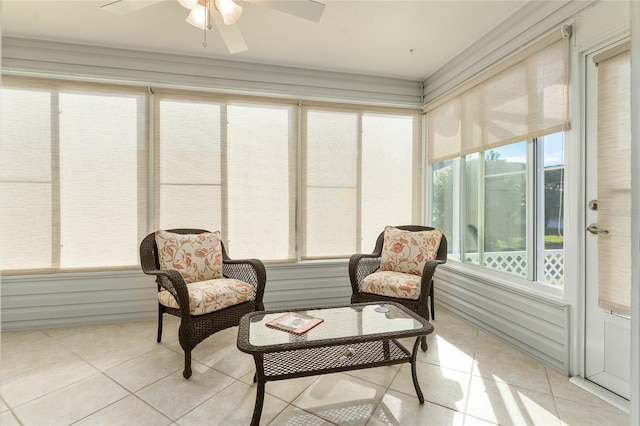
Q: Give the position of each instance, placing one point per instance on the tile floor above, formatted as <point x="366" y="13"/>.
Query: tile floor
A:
<point x="118" y="375"/>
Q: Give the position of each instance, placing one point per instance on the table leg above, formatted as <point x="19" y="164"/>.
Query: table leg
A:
<point x="257" y="410"/>
<point x="386" y="349"/>
<point x="414" y="375"/>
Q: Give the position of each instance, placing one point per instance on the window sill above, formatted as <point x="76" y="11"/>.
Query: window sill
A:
<point x="505" y="281"/>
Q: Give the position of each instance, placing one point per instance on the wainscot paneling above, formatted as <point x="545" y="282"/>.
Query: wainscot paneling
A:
<point x="534" y="324"/>
<point x="72" y="299"/>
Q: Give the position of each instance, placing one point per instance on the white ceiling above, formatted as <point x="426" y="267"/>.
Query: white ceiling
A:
<point x="404" y="39"/>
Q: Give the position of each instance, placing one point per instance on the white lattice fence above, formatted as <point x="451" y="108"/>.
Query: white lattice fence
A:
<point x="516" y="263"/>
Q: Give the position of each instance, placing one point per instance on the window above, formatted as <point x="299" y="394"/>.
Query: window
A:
<point x="496" y="207"/>
<point x="497" y="171"/>
<point x="87" y="178"/>
<point x="72" y="175"/>
<point x="230" y="166"/>
<point x="360" y="175"/>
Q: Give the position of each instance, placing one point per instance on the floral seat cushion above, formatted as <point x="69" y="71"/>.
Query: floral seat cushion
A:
<point x="211" y="295"/>
<point x="198" y="257"/>
<point x="408" y="251"/>
<point x="392" y="284"/>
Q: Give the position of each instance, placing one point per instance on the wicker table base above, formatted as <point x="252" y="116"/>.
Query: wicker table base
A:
<point x="329" y="348"/>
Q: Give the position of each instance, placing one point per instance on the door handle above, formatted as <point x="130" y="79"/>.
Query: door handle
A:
<point x="593" y="228"/>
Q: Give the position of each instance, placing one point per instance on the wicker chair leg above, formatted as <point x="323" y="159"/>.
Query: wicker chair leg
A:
<point x="423" y="344"/>
<point x="187" y="365"/>
<point x="433" y="305"/>
<point x="159" y="324"/>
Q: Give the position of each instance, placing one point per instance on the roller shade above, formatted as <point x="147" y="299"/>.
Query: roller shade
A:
<point x="523" y="98"/>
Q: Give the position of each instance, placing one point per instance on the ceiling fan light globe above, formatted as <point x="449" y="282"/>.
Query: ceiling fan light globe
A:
<point x="198" y="17"/>
<point x="188" y="4"/>
<point x="229" y="10"/>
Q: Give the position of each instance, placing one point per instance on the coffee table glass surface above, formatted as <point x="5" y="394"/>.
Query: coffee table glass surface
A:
<point x="356" y="322"/>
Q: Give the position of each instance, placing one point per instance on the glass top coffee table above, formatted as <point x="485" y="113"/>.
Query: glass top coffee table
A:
<point x="350" y="337"/>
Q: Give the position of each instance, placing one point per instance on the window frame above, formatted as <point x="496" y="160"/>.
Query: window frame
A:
<point x="148" y="155"/>
<point x="535" y="230"/>
<point x="55" y="87"/>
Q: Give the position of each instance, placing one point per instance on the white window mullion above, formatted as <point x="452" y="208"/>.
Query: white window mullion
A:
<point x="224" y="176"/>
<point x="359" y="186"/>
<point x="56" y="215"/>
<point x="535" y="190"/>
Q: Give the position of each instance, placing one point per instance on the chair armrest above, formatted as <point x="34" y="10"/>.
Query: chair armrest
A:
<point x="361" y="265"/>
<point x="172" y="281"/>
<point x="427" y="277"/>
<point x="251" y="271"/>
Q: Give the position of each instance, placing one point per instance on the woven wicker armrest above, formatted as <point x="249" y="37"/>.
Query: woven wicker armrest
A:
<point x="361" y="265"/>
<point x="251" y="271"/>
<point x="172" y="281"/>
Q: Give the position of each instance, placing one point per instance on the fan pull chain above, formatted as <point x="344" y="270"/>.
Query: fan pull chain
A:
<point x="207" y="23"/>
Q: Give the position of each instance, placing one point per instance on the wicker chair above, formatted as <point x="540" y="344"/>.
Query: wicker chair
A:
<point x="195" y="328"/>
<point x="362" y="265"/>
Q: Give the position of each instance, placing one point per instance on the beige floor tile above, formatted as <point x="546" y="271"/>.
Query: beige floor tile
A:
<point x="498" y="361"/>
<point x="83" y="330"/>
<point x="232" y="406"/>
<point x="126" y="412"/>
<point x="382" y="376"/>
<point x="107" y="346"/>
<point x="341" y="399"/>
<point x="474" y="421"/>
<point x="457" y="332"/>
<point x="26" y="387"/>
<point x="146" y="369"/>
<point x="72" y="403"/>
<point x="8" y="419"/>
<point x="439" y="385"/>
<point x="149" y="329"/>
<point x="505" y="404"/>
<point x="175" y="396"/>
<point x="27" y="350"/>
<point x="455" y="356"/>
<point x="404" y="410"/>
<point x="286" y="390"/>
<point x="563" y="388"/>
<point x="221" y="352"/>
<point x="293" y="416"/>
<point x="574" y="413"/>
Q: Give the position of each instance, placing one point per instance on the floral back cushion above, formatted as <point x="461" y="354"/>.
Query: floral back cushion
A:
<point x="198" y="257"/>
<point x="407" y="251"/>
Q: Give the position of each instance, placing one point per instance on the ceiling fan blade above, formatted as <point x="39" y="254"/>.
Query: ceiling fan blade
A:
<point x="230" y="34"/>
<point x="122" y="7"/>
<point x="305" y="9"/>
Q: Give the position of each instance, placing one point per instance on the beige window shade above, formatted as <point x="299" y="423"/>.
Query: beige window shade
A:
<point x="614" y="179"/>
<point x="73" y="167"/>
<point x="524" y="98"/>
<point x="361" y="172"/>
<point x="228" y="163"/>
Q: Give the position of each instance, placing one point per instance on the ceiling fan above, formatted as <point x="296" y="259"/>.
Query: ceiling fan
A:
<point x="225" y="14"/>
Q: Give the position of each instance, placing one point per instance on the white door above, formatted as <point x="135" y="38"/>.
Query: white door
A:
<point x="608" y="219"/>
